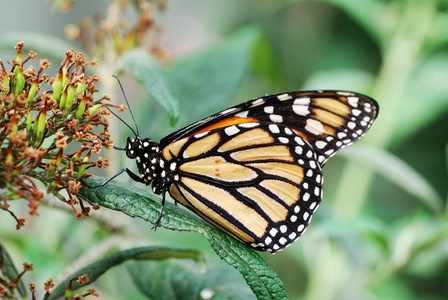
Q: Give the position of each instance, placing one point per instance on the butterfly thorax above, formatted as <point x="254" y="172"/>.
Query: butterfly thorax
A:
<point x="150" y="165"/>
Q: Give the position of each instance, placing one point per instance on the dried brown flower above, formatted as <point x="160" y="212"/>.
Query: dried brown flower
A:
<point x="59" y="117"/>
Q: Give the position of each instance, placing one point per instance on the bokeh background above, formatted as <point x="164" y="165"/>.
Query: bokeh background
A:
<point x="381" y="231"/>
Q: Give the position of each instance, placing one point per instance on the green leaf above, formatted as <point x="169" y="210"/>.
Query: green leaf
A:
<point x="7" y="265"/>
<point x="366" y="13"/>
<point x="97" y="268"/>
<point x="340" y="79"/>
<point x="45" y="45"/>
<point x="139" y="203"/>
<point x="424" y="99"/>
<point x="397" y="171"/>
<point x="209" y="80"/>
<point x="141" y="66"/>
<point x="176" y="279"/>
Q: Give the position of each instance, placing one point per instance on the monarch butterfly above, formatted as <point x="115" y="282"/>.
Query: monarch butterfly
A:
<point x="254" y="170"/>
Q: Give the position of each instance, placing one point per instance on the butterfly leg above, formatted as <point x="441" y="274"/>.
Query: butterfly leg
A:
<point x="157" y="223"/>
<point x="130" y="173"/>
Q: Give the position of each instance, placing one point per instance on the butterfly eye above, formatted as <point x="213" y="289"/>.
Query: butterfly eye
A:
<point x="132" y="147"/>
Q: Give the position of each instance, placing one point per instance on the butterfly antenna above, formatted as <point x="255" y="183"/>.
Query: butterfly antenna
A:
<point x="132" y="129"/>
<point x="130" y="110"/>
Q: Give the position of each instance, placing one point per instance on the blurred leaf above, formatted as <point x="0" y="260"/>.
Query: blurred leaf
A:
<point x="430" y="246"/>
<point x="177" y="279"/>
<point x="7" y="265"/>
<point x="139" y="203"/>
<point x="209" y="80"/>
<point x="425" y="98"/>
<point x="97" y="268"/>
<point x="393" y="288"/>
<point x="437" y="37"/>
<point x="141" y="66"/>
<point x="340" y="79"/>
<point x="266" y="62"/>
<point x="366" y="13"/>
<point x="364" y="225"/>
<point x="398" y="172"/>
<point x="45" y="45"/>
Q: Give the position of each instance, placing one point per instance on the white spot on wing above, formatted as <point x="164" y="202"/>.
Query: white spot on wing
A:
<point x="320" y="144"/>
<point x="231" y="130"/>
<point x="342" y="93"/>
<point x="356" y="112"/>
<point x="242" y="114"/>
<point x="353" y="101"/>
<point x="257" y="102"/>
<point x="248" y="125"/>
<point x="276" y="118"/>
<point x="306" y="197"/>
<point x="299" y="140"/>
<point x="301" y="110"/>
<point x="283" y="140"/>
<point x="284" y="97"/>
<point x="314" y="126"/>
<point x="302" y="101"/>
<point x="202" y="134"/>
<point x="226" y="111"/>
<point x="351" y="125"/>
<point x="269" y="109"/>
<point x="274" y="128"/>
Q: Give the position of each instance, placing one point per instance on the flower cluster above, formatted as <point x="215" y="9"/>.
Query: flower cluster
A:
<point x="96" y="32"/>
<point x="9" y="283"/>
<point x="37" y="125"/>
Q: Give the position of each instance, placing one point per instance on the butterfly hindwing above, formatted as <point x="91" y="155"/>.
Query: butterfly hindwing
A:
<point x="258" y="182"/>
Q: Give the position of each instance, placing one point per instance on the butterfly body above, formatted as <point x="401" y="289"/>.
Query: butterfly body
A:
<point x="255" y="170"/>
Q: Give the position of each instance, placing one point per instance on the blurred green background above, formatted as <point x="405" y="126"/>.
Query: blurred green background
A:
<point x="381" y="231"/>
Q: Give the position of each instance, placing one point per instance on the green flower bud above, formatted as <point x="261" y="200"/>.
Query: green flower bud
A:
<point x="5" y="83"/>
<point x="70" y="96"/>
<point x="57" y="86"/>
<point x="39" y="124"/>
<point x="77" y="156"/>
<point x="81" y="107"/>
<point x="65" y="77"/>
<point x="32" y="92"/>
<point x="94" y="109"/>
<point x="80" y="86"/>
<point x="42" y="121"/>
<point x="19" y="80"/>
<point x="82" y="168"/>
<point x="63" y="99"/>
<point x="58" y="160"/>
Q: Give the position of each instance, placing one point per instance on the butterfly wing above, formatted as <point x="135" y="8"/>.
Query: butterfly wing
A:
<point x="254" y="170"/>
